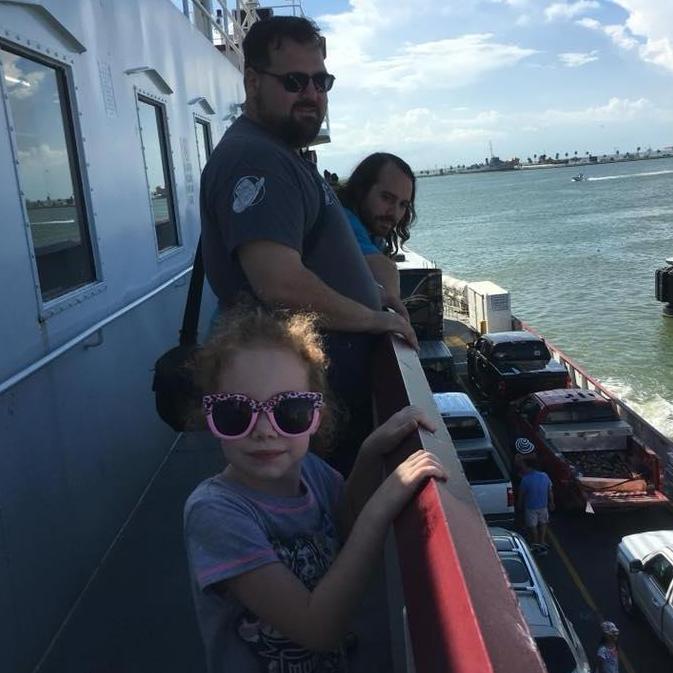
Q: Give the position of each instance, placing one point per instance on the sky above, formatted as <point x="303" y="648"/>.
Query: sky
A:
<point x="436" y="81"/>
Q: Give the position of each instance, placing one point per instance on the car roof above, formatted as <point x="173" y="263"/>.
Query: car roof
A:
<point x="508" y="337"/>
<point x="528" y="585"/>
<point x="455" y="404"/>
<point x="642" y="544"/>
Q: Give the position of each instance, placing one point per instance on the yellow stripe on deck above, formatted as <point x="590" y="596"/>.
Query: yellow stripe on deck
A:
<point x="574" y="575"/>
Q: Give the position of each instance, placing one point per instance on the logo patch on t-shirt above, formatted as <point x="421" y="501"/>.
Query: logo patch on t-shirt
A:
<point x="247" y="192"/>
<point x="330" y="198"/>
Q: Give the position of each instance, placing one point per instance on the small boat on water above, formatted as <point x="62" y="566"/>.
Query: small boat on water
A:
<point x="579" y="178"/>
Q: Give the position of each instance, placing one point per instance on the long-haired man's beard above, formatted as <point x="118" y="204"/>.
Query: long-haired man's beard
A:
<point x="295" y="131"/>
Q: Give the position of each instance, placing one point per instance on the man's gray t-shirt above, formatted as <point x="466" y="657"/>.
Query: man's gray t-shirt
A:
<point x="254" y="188"/>
<point x="231" y="530"/>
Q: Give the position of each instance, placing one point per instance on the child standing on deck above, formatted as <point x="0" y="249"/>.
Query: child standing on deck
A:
<point x="280" y="548"/>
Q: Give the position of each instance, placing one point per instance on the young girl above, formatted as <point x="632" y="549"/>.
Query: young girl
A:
<point x="607" y="657"/>
<point x="274" y="586"/>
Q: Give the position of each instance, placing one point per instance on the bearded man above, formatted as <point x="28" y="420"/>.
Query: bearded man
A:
<point x="274" y="229"/>
<point x="379" y="201"/>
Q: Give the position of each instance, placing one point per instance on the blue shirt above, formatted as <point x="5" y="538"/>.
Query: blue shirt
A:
<point x="535" y="488"/>
<point x="369" y="245"/>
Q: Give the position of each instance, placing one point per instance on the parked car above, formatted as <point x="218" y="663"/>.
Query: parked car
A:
<point x="554" y="634"/>
<point x="484" y="468"/>
<point x="645" y="580"/>
<point x="507" y="365"/>
<point x="589" y="452"/>
<point x="463" y="421"/>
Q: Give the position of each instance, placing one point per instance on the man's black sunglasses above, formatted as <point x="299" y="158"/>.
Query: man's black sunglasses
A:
<point x="296" y="82"/>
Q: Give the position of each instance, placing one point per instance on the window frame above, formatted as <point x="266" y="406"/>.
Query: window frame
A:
<point x="199" y="120"/>
<point x="655" y="577"/>
<point x="75" y="146"/>
<point x="160" y="103"/>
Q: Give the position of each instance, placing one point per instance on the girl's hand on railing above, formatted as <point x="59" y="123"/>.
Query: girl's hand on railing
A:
<point x="390" y="434"/>
<point x="400" y="486"/>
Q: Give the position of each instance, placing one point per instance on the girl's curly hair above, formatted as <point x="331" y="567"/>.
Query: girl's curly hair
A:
<point x="246" y="327"/>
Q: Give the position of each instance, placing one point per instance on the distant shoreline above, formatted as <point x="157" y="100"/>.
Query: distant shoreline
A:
<point x="566" y="163"/>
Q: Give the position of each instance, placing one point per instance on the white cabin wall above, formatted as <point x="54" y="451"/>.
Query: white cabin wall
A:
<point x="80" y="438"/>
<point x="124" y="34"/>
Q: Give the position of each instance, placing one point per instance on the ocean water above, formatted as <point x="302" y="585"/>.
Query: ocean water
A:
<point x="578" y="258"/>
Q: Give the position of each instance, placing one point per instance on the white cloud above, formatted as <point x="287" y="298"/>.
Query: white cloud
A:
<point x="42" y="157"/>
<point x="575" y="59"/>
<point x="441" y="64"/>
<point x="615" y="110"/>
<point x="653" y="20"/>
<point x="648" y="28"/>
<point x="567" y="11"/>
<point x="20" y="84"/>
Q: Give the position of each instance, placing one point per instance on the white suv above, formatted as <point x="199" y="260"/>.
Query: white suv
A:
<point x="554" y="634"/>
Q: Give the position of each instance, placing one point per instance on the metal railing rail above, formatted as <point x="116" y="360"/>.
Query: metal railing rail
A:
<point x="223" y="26"/>
<point x="69" y="345"/>
<point x="461" y="614"/>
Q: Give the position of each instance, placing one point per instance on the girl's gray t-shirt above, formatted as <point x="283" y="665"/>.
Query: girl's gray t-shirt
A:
<point x="229" y="530"/>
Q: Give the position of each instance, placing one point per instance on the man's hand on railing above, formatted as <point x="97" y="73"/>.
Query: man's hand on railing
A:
<point x="389" y="321"/>
<point x="390" y="434"/>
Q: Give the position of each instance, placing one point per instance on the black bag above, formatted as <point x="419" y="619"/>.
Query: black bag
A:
<point x="176" y="395"/>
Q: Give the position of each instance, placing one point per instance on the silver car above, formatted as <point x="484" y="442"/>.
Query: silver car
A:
<point x="554" y="634"/>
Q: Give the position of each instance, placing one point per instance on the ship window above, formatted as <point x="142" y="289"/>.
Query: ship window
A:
<point x="48" y="168"/>
<point x="154" y="136"/>
<point x="204" y="145"/>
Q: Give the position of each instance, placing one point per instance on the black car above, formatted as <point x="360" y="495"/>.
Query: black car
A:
<point x="507" y="365"/>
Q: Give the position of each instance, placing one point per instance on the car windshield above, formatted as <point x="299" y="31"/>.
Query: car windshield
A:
<point x="463" y="427"/>
<point x="556" y="654"/>
<point x="480" y="467"/>
<point x="525" y="350"/>
<point x="582" y="412"/>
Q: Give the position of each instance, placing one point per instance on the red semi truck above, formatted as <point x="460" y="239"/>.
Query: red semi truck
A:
<point x="590" y="454"/>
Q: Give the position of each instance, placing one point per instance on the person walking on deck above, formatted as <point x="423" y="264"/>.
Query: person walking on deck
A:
<point x="523" y="447"/>
<point x="536" y="500"/>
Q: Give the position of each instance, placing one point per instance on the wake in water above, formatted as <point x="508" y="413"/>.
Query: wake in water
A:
<point x="654" y="409"/>
<point x="627" y="175"/>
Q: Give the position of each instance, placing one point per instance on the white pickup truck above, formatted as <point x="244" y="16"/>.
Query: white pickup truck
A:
<point x="645" y="579"/>
<point x="483" y="466"/>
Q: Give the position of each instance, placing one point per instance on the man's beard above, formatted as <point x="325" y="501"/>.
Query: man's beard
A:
<point x="295" y="132"/>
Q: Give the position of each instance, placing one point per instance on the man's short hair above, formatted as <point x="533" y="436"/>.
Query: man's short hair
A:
<point x="269" y="34"/>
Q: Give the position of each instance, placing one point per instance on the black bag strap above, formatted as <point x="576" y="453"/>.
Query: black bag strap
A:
<point x="316" y="230"/>
<point x="190" y="322"/>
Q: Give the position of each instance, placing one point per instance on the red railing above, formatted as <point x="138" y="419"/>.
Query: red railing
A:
<point x="462" y="616"/>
